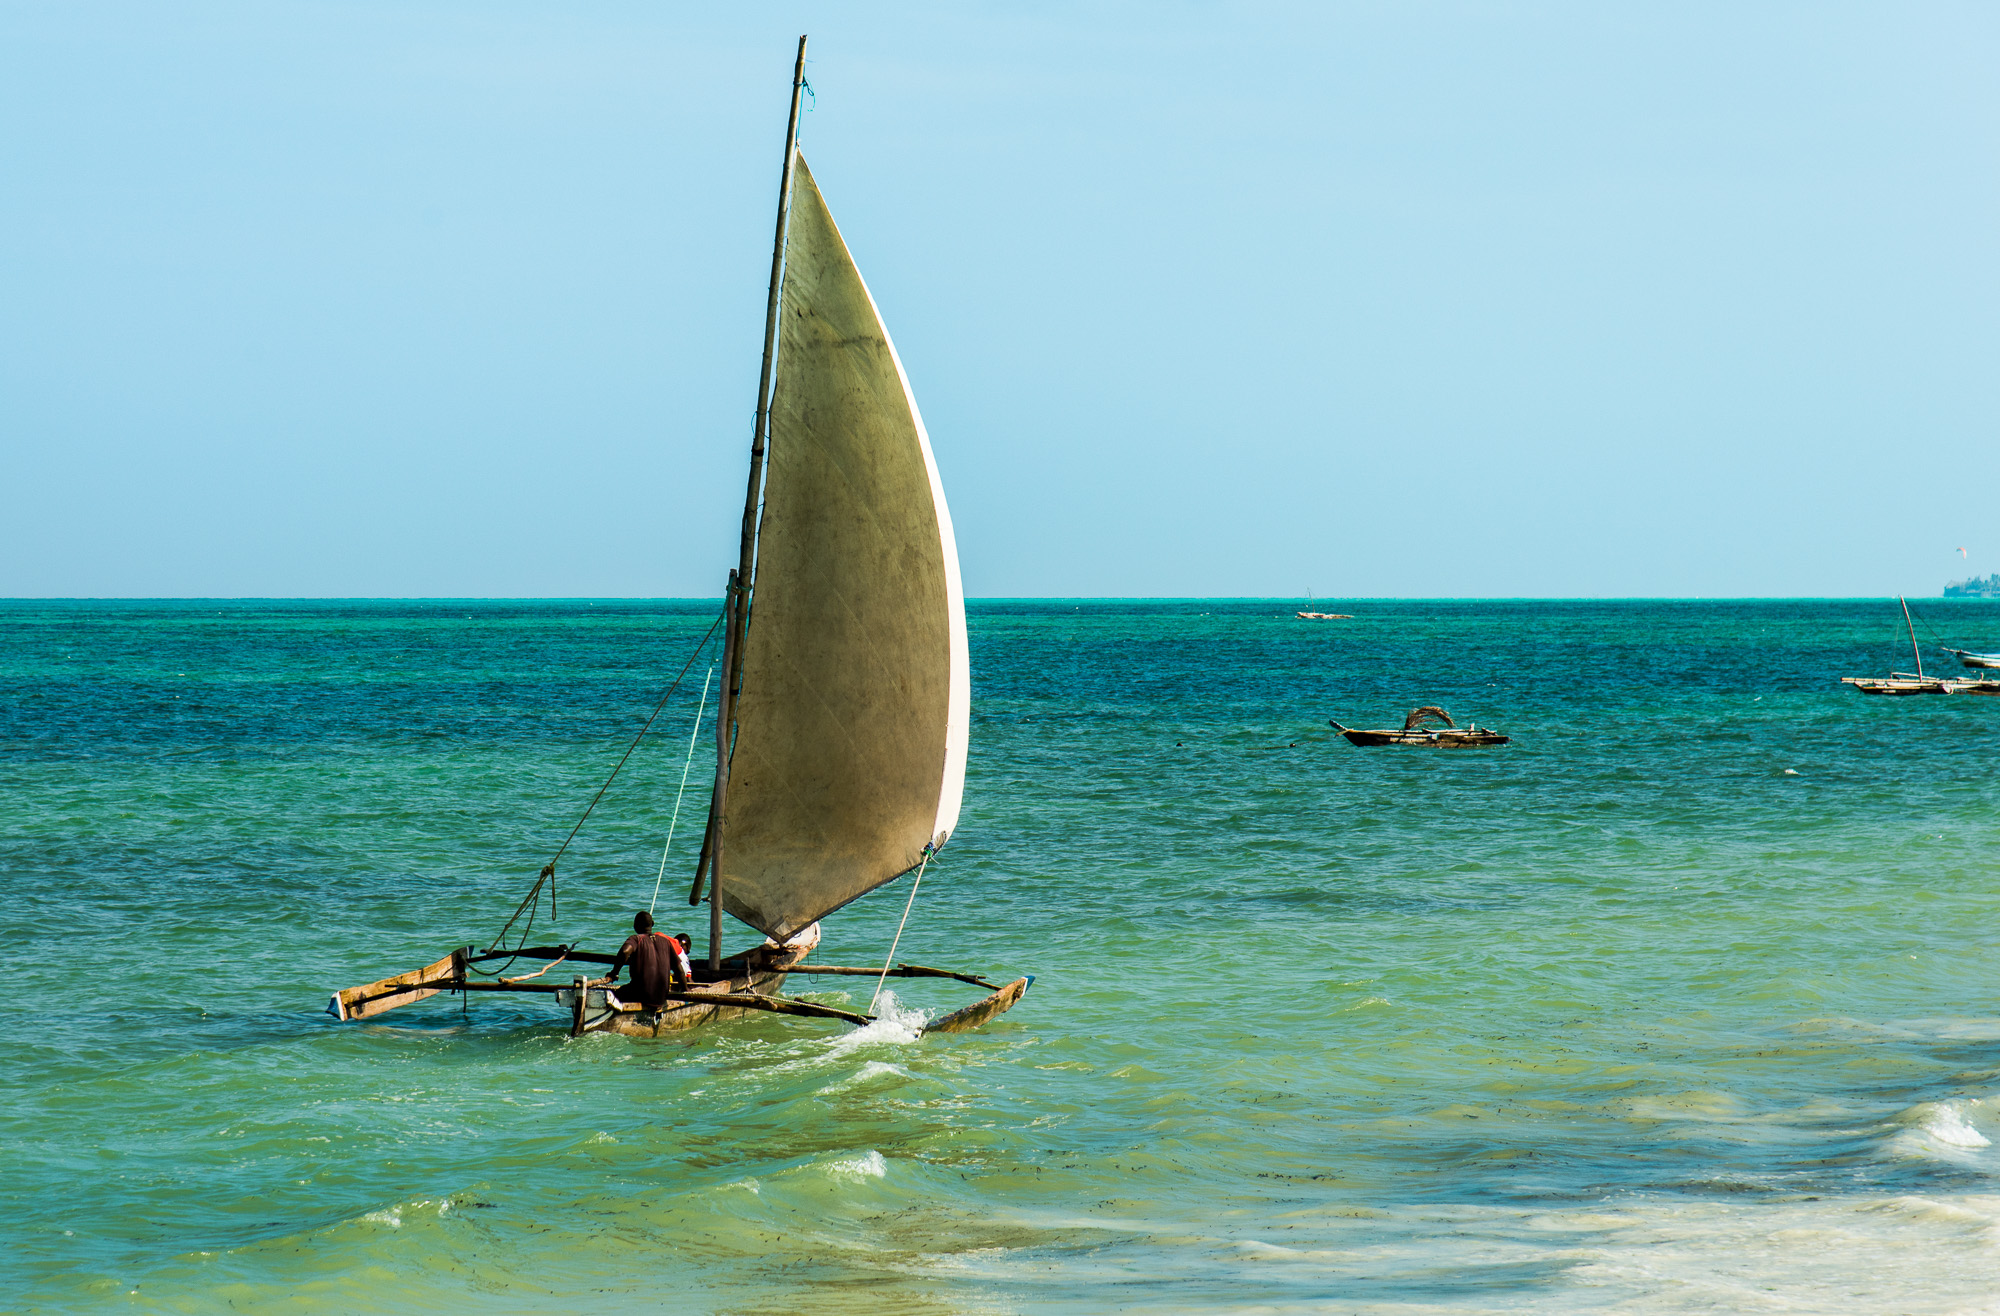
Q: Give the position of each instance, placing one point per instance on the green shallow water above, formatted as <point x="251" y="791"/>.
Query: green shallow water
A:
<point x="1685" y="1000"/>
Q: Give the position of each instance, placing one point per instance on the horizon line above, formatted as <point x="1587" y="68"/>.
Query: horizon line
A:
<point x="991" y="598"/>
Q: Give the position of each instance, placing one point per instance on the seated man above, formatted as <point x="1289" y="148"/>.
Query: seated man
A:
<point x="659" y="963"/>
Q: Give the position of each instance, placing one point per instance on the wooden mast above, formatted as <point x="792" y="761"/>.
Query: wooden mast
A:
<point x="743" y="579"/>
<point x="1915" y="652"/>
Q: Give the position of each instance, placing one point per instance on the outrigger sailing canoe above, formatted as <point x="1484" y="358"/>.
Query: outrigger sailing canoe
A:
<point x="842" y="720"/>
<point x="1902" y="683"/>
<point x="1417" y="730"/>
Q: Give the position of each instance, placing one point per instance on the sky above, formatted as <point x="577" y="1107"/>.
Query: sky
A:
<point x="432" y="298"/>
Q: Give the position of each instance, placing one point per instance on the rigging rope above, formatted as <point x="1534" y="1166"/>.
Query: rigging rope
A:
<point x="1932" y="629"/>
<point x="891" y="960"/>
<point x="675" y="820"/>
<point x="548" y="874"/>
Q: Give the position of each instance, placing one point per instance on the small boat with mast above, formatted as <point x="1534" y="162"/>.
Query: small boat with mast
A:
<point x="842" y="718"/>
<point x="1309" y="614"/>
<point x="1903" y="683"/>
<point x="1967" y="658"/>
<point x="1422" y="729"/>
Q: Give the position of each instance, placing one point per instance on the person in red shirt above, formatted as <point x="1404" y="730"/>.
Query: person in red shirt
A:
<point x="659" y="963"/>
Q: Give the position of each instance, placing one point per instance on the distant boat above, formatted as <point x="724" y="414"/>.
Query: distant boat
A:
<point x="1320" y="616"/>
<point x="1968" y="659"/>
<point x="1416" y="730"/>
<point x="1900" y="683"/>
<point x="842" y="720"/>
<point x="1903" y="683"/>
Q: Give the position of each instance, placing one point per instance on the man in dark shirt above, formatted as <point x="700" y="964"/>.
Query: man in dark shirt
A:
<point x="655" y="961"/>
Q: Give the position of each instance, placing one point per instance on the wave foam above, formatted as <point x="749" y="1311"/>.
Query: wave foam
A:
<point x="895" y="1024"/>
<point x="1952" y="1127"/>
<point x="869" y="1165"/>
<point x="1938" y="1130"/>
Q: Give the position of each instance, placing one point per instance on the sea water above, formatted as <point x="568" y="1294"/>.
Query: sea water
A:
<point x="1687" y="999"/>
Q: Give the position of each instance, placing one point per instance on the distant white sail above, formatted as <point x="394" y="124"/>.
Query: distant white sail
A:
<point x="851" y="727"/>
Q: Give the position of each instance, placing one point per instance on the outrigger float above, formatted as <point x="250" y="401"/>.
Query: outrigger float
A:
<point x="841" y="722"/>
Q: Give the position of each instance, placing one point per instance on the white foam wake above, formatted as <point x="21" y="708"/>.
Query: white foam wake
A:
<point x="895" y="1025"/>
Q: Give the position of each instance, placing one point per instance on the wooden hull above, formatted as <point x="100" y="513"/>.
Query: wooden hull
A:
<point x="759" y="972"/>
<point x="603" y="1012"/>
<point x="1898" y="685"/>
<point x="1423" y="738"/>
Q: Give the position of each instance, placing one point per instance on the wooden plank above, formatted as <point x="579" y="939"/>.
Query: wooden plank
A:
<point x="375" y="998"/>
<point x="920" y="971"/>
<point x="773" y="1004"/>
<point x="959" y="1021"/>
<point x="542" y="953"/>
<point x="900" y="971"/>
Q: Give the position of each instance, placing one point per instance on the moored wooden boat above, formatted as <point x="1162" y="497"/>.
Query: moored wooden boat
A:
<point x="1324" y="616"/>
<point x="1899" y="683"/>
<point x="842" y="716"/>
<point x="1902" y="683"/>
<point x="1966" y="658"/>
<point x="1418" y="730"/>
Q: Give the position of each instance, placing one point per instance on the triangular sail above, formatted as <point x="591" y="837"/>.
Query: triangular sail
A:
<point x="851" y="725"/>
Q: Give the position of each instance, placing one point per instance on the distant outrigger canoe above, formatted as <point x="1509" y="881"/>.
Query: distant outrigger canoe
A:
<point x="1902" y="683"/>
<point x="1310" y="615"/>
<point x="1969" y="659"/>
<point x="1416" y="731"/>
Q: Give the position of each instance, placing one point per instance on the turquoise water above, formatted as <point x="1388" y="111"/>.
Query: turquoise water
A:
<point x="1686" y="1000"/>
